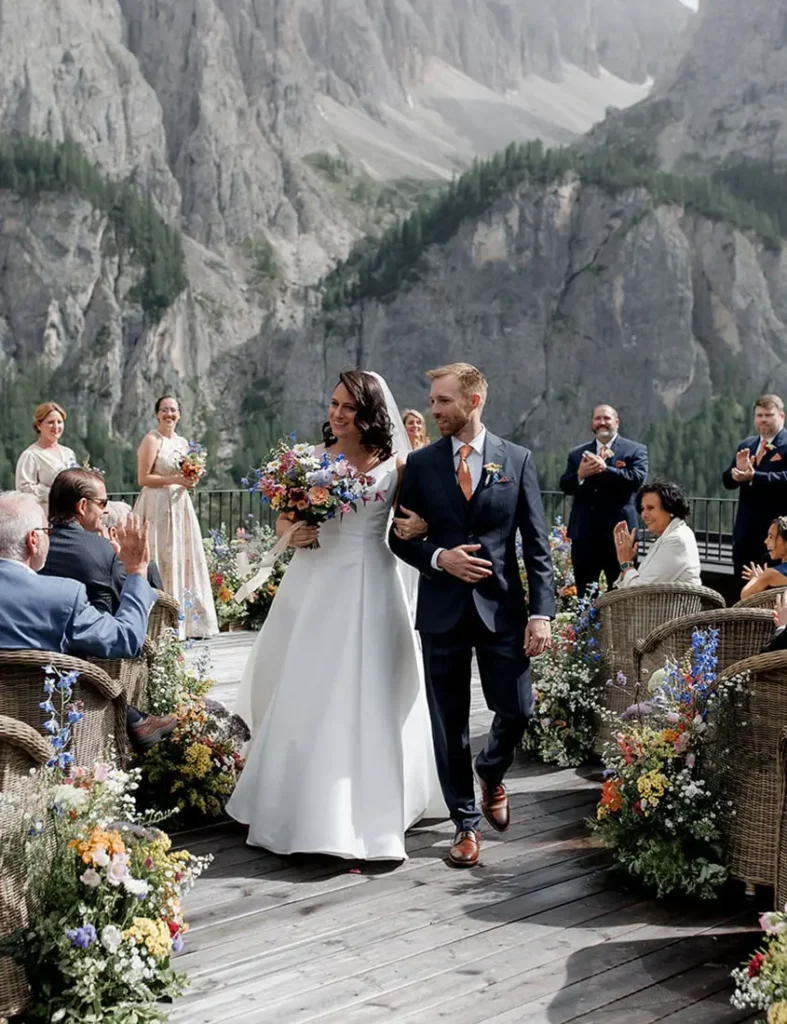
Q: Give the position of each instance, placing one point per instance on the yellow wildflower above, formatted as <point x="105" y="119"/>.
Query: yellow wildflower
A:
<point x="197" y="762"/>
<point x="152" y="934"/>
<point x="652" y="786"/>
<point x="778" y="1014"/>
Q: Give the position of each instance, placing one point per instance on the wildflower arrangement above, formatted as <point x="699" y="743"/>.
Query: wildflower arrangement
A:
<point x="191" y="775"/>
<point x="193" y="464"/>
<point x="101" y="890"/>
<point x="232" y="561"/>
<point x="310" y="487"/>
<point x="662" y="804"/>
<point x="560" y="549"/>
<point x="563" y="727"/>
<point x="172" y="680"/>
<point x="761" y="983"/>
<point x="63" y="713"/>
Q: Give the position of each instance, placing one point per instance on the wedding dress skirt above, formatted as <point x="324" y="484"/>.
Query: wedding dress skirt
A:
<point x="341" y="759"/>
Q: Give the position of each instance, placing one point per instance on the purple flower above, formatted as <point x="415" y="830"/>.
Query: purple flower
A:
<point x="82" y="937"/>
<point x="177" y="945"/>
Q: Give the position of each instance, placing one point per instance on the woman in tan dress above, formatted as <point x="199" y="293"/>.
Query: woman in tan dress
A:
<point x="39" y="464"/>
<point x="175" y="535"/>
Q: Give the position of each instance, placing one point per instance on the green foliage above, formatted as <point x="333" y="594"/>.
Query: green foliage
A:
<point x="31" y="166"/>
<point x="762" y="184"/>
<point x="334" y="168"/>
<point x="263" y="259"/>
<point x="260" y="427"/>
<point x="376" y="268"/>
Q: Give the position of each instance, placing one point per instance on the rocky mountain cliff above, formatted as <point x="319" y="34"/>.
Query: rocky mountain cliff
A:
<point x="215" y="107"/>
<point x="727" y="97"/>
<point x="565" y="295"/>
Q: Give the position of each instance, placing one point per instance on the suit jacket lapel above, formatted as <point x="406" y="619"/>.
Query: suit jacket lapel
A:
<point x="494" y="451"/>
<point x="444" y="457"/>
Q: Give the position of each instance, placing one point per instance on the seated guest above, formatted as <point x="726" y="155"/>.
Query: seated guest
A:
<point x="778" y="642"/>
<point x="115" y="514"/>
<point x="761" y="577"/>
<point x="673" y="557"/>
<point x="78" y="550"/>
<point x="53" y="614"/>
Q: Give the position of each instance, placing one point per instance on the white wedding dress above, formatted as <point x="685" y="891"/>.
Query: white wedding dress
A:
<point x="341" y="759"/>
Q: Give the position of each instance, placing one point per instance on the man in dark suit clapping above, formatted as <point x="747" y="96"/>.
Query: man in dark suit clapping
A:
<point x="602" y="476"/>
<point x="759" y="470"/>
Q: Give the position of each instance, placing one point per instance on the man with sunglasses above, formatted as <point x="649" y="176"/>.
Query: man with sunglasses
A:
<point x="79" y="548"/>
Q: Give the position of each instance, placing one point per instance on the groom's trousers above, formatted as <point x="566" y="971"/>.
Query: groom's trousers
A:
<point x="505" y="680"/>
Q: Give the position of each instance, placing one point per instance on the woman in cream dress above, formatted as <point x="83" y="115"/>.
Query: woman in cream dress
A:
<point x="39" y="464"/>
<point x="175" y="535"/>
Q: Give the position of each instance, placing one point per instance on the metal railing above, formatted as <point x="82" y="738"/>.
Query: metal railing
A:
<point x="711" y="518"/>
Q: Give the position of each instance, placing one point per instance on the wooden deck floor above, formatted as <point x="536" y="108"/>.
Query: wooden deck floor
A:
<point x="538" y="933"/>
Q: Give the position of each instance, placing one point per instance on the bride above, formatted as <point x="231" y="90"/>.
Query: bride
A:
<point x="341" y="759"/>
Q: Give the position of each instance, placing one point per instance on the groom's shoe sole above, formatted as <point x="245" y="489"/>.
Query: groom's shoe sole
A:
<point x="494" y="805"/>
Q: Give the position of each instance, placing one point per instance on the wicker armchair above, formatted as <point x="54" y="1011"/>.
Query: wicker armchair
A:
<point x="630" y="614"/>
<point x="780" y="881"/>
<point x="749" y="761"/>
<point x="742" y="633"/>
<point x="165" y="614"/>
<point x="21" y="748"/>
<point x="131" y="673"/>
<point x="765" y="599"/>
<point x="103" y="700"/>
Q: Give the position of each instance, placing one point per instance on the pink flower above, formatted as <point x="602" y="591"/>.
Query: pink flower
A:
<point x="91" y="878"/>
<point x="672" y="717"/>
<point x="117" y="872"/>
<point x="101" y="771"/>
<point x="682" y="744"/>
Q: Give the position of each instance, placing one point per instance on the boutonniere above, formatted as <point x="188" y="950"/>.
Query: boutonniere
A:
<point x="606" y="453"/>
<point x="770" y="447"/>
<point x="493" y="471"/>
<point x="620" y="464"/>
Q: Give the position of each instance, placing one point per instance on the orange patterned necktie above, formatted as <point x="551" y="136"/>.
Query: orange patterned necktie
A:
<point x="761" y="452"/>
<point x="463" y="472"/>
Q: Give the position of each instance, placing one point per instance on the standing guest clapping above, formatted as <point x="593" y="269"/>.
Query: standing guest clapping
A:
<point x="759" y="471"/>
<point x="39" y="464"/>
<point x="603" y="476"/>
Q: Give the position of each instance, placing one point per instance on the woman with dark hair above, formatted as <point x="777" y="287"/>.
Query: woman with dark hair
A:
<point x="673" y="557"/>
<point x="175" y="535"/>
<point x="341" y="759"/>
<point x="39" y="464"/>
<point x="761" y="577"/>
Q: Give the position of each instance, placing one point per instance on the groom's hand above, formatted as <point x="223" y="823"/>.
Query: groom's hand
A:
<point x="460" y="562"/>
<point x="538" y="637"/>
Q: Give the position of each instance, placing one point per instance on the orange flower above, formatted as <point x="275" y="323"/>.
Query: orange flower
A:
<point x="319" y="495"/>
<point x="224" y="595"/>
<point x="611" y="796"/>
<point x="670" y="735"/>
<point x="111" y="842"/>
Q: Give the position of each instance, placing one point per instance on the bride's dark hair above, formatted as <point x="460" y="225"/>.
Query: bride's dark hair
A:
<point x="371" y="414"/>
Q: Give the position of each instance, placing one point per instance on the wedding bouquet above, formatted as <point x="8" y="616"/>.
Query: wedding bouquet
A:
<point x="310" y="488"/>
<point x="193" y="463"/>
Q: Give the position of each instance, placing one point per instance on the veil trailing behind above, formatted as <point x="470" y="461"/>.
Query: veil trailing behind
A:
<point x="341" y="759"/>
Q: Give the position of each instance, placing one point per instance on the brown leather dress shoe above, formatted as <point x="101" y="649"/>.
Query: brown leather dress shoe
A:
<point x="152" y="730"/>
<point x="466" y="848"/>
<point x="494" y="806"/>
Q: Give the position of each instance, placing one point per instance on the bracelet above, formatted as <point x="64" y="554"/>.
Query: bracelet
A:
<point x="625" y="566"/>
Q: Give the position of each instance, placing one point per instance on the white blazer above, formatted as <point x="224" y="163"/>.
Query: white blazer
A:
<point x="672" y="558"/>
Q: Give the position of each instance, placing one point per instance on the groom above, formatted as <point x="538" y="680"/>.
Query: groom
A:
<point x="475" y="491"/>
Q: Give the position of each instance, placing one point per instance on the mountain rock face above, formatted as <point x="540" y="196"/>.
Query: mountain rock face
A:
<point x="566" y="297"/>
<point x="726" y="98"/>
<point x="212" y="105"/>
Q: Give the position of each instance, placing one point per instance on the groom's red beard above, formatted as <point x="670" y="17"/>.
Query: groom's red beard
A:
<point x="450" y="425"/>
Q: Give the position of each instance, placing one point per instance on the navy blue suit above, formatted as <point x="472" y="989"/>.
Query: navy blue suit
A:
<point x="761" y="501"/>
<point x="77" y="554"/>
<point x="600" y="503"/>
<point x="455" y="618"/>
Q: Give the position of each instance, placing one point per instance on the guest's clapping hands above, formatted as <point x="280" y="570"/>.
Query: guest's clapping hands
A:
<point x="409" y="525"/>
<point x="780" y="611"/>
<point x="744" y="466"/>
<point x="752" y="571"/>
<point x="625" y="543"/>
<point x="132" y="539"/>
<point x="590" y="464"/>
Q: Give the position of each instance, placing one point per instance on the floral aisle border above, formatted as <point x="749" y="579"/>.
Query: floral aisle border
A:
<point x="663" y="807"/>
<point x="234" y="560"/>
<point x="102" y="886"/>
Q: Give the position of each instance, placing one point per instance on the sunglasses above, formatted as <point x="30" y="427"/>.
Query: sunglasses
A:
<point x="43" y="529"/>
<point x="101" y="502"/>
